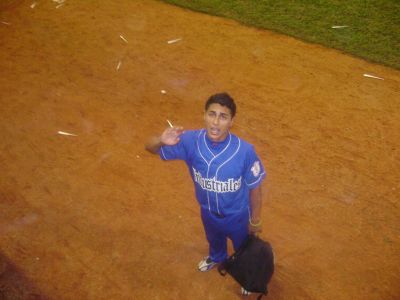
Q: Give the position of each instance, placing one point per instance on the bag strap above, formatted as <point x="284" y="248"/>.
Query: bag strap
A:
<point x="222" y="270"/>
<point x="262" y="294"/>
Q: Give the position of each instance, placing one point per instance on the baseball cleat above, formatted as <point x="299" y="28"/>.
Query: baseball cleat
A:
<point x="206" y="264"/>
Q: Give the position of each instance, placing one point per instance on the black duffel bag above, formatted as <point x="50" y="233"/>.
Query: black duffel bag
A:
<point x="251" y="266"/>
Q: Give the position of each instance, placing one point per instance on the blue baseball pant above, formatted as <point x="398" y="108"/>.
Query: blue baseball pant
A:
<point x="218" y="229"/>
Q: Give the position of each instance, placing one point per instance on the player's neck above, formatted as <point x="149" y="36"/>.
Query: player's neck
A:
<point x="212" y="143"/>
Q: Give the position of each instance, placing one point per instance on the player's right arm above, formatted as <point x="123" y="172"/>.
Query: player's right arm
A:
<point x="170" y="136"/>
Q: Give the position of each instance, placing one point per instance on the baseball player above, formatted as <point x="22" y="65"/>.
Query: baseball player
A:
<point x="226" y="173"/>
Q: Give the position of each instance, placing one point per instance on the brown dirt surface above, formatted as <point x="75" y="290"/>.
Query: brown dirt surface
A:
<point x="93" y="216"/>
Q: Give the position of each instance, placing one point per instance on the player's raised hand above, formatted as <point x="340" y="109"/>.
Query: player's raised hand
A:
<point x="171" y="135"/>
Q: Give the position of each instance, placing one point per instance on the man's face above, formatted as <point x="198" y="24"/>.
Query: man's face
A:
<point x="218" y="121"/>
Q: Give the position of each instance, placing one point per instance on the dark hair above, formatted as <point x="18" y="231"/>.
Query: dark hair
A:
<point x="222" y="99"/>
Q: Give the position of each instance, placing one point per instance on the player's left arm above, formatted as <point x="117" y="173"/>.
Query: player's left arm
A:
<point x="254" y="175"/>
<point x="255" y="222"/>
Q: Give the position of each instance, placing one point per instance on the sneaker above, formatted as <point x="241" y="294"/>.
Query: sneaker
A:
<point x="206" y="264"/>
<point x="245" y="293"/>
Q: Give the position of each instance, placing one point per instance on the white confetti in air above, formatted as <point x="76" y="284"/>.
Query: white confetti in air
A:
<point x="59" y="5"/>
<point x="119" y="65"/>
<point x="5" y="23"/>
<point x="124" y="39"/>
<point x="66" y="133"/>
<point x="33" y="4"/>
<point x="372" y="76"/>
<point x="340" y="26"/>
<point x="174" y="41"/>
<point x="170" y="124"/>
<point x="163" y="91"/>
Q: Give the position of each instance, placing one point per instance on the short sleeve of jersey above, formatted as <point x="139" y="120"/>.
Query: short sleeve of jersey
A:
<point x="180" y="150"/>
<point x="255" y="172"/>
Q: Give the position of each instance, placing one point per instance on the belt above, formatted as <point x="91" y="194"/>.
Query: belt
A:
<point x="218" y="215"/>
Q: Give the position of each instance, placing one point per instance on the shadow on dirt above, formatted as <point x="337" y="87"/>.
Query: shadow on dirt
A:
<point x="13" y="283"/>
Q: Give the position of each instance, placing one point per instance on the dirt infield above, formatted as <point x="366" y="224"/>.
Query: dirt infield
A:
<point x="93" y="216"/>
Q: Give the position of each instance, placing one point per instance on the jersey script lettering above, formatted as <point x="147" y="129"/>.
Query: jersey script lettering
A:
<point x="213" y="185"/>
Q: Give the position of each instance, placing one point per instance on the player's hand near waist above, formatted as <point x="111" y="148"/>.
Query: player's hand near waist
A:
<point x="255" y="222"/>
<point x="255" y="227"/>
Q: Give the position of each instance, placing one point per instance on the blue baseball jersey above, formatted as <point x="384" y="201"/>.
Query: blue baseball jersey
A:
<point x="223" y="173"/>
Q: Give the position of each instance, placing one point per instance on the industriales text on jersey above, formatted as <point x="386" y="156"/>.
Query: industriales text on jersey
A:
<point x="213" y="185"/>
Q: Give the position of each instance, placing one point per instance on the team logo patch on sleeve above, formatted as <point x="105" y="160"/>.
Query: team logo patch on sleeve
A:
<point x="256" y="168"/>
